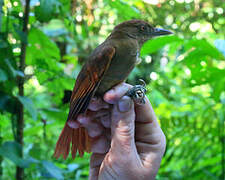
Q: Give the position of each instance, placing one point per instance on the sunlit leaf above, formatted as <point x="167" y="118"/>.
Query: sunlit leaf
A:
<point x="157" y="43"/>
<point x="205" y="47"/>
<point x="42" y="50"/>
<point x="124" y="9"/>
<point x="46" y="10"/>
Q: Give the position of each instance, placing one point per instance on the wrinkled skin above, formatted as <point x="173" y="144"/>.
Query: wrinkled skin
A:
<point x="129" y="143"/>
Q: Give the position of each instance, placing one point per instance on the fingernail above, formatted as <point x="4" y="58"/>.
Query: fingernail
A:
<point x="95" y="133"/>
<point x="124" y="104"/>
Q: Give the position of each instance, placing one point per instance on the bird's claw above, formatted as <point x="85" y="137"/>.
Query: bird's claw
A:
<point x="137" y="93"/>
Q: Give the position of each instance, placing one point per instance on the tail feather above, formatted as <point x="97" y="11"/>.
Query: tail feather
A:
<point x="80" y="142"/>
<point x="88" y="142"/>
<point x="74" y="144"/>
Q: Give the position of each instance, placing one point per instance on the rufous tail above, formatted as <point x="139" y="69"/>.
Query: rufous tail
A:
<point x="79" y="138"/>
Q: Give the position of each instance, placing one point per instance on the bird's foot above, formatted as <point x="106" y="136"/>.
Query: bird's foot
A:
<point x="137" y="93"/>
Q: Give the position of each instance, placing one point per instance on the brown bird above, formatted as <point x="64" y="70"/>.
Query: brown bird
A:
<point x="108" y="65"/>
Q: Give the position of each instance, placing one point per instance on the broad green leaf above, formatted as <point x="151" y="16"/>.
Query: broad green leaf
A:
<point x="124" y="9"/>
<point x="203" y="46"/>
<point x="157" y="43"/>
<point x="29" y="106"/>
<point x="31" y="131"/>
<point x="55" y="28"/>
<point x="46" y="10"/>
<point x="52" y="170"/>
<point x="8" y="102"/>
<point x="21" y="35"/>
<point x="13" y="71"/>
<point x="11" y="150"/>
<point x="41" y="50"/>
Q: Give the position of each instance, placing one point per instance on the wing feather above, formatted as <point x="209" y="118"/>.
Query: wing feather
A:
<point x="87" y="83"/>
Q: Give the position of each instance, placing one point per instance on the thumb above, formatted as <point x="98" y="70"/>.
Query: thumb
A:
<point x="122" y="127"/>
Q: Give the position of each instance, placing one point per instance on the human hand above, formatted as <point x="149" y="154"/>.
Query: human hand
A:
<point x="129" y="143"/>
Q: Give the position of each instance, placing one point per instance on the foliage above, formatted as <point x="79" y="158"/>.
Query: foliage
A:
<point x="185" y="75"/>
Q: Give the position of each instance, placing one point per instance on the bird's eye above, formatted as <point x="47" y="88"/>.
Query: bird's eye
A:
<point x="143" y="28"/>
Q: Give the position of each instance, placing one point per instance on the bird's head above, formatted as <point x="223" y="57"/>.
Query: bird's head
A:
<point x="140" y="30"/>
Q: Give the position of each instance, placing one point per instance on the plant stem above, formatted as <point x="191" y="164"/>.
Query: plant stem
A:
<point x="20" y="119"/>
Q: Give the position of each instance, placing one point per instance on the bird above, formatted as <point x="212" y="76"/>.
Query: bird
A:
<point x="108" y="65"/>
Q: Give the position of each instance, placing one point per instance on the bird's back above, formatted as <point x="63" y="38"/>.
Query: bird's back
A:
<point x="126" y="51"/>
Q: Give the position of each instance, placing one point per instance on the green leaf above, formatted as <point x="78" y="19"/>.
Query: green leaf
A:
<point x="11" y="150"/>
<point x="157" y="43"/>
<point x="42" y="50"/>
<point x="8" y="102"/>
<point x="124" y="9"/>
<point x="55" y="28"/>
<point x="3" y="44"/>
<point x="3" y="76"/>
<point x="47" y="10"/>
<point x="29" y="106"/>
<point x="205" y="47"/>
<point x="52" y="170"/>
<point x="21" y="35"/>
<point x="13" y="71"/>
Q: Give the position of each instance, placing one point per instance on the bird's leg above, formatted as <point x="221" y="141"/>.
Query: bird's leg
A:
<point x="137" y="93"/>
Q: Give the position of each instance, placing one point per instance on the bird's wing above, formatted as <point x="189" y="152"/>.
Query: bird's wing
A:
<point x="88" y="81"/>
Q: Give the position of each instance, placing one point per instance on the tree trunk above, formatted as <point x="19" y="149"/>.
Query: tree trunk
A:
<point x="20" y="115"/>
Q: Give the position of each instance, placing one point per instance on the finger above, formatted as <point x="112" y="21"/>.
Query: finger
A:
<point x="113" y="95"/>
<point x="103" y="116"/>
<point x="97" y="103"/>
<point x="106" y="120"/>
<point x="100" y="113"/>
<point x="150" y="140"/>
<point x="146" y="123"/>
<point x="100" y="145"/>
<point x="73" y="124"/>
<point x="145" y="112"/>
<point x="95" y="164"/>
<point x="122" y="127"/>
<point x="94" y="128"/>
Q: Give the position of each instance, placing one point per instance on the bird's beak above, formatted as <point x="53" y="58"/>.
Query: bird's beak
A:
<point x="160" y="32"/>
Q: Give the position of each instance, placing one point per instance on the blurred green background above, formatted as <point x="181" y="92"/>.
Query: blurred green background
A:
<point x="185" y="74"/>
